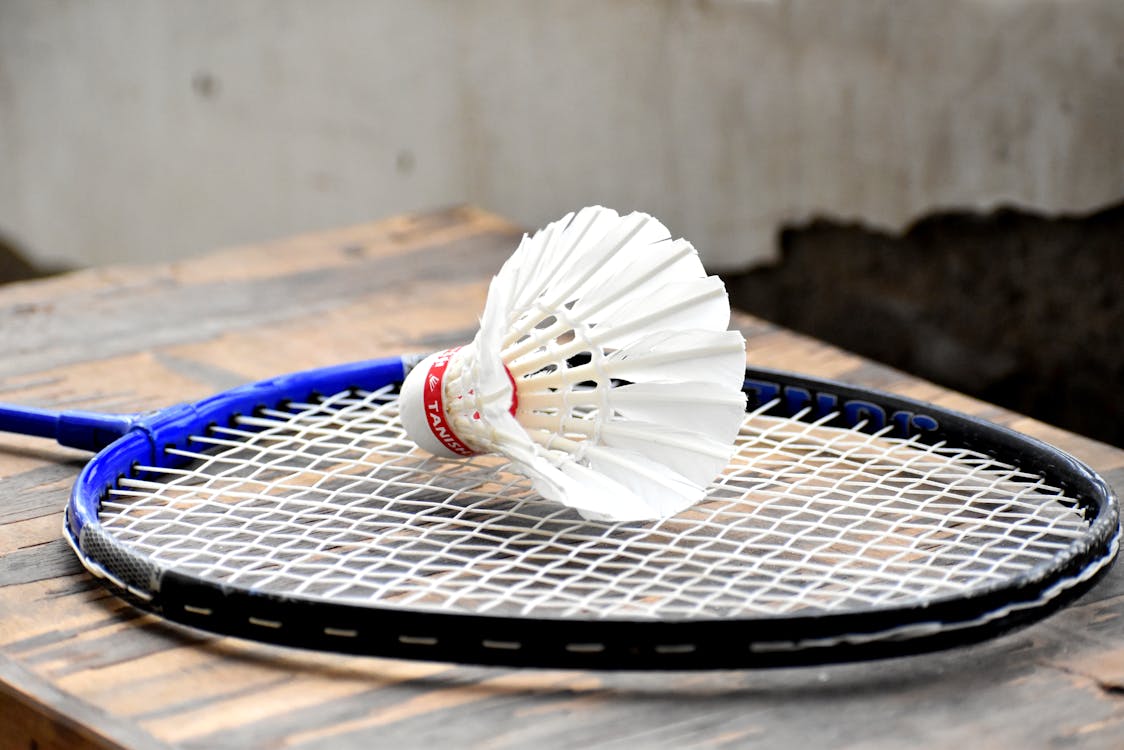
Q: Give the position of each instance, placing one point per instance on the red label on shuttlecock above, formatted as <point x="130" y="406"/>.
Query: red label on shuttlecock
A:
<point x="434" y="397"/>
<point x="514" y="393"/>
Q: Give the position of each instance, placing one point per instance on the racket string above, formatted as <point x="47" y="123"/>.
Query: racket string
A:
<point x="329" y="500"/>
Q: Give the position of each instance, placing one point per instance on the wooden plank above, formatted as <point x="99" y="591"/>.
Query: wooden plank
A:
<point x="38" y="716"/>
<point x="174" y="305"/>
<point x="80" y="668"/>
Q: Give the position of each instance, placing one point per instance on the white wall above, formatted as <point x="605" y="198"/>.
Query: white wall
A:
<point x="152" y="130"/>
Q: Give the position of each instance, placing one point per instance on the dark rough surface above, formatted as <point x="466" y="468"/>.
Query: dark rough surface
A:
<point x="1020" y="310"/>
<point x="15" y="267"/>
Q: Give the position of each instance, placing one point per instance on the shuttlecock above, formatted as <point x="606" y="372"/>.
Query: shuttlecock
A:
<point x="603" y="369"/>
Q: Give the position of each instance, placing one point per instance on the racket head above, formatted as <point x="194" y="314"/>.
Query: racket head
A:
<point x="1051" y="543"/>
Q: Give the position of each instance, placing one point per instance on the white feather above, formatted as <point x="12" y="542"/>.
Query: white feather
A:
<point x="638" y="307"/>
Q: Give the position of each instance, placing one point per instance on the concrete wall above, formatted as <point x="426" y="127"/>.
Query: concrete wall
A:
<point x="150" y="130"/>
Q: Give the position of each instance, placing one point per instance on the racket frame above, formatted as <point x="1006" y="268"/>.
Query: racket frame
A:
<point x="617" y="643"/>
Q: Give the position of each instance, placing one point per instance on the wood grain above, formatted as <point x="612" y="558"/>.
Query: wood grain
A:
<point x="79" y="668"/>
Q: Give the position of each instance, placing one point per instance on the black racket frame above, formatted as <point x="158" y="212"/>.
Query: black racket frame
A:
<point x="617" y="643"/>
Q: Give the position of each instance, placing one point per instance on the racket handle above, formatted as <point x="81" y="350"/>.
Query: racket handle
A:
<point x="74" y="429"/>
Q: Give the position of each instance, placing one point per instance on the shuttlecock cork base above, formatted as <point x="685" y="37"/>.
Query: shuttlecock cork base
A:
<point x="603" y="369"/>
<point x="432" y="427"/>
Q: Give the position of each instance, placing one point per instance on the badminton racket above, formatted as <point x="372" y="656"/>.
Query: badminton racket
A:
<point x="849" y="525"/>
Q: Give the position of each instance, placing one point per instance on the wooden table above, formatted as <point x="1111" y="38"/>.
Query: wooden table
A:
<point x="80" y="668"/>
